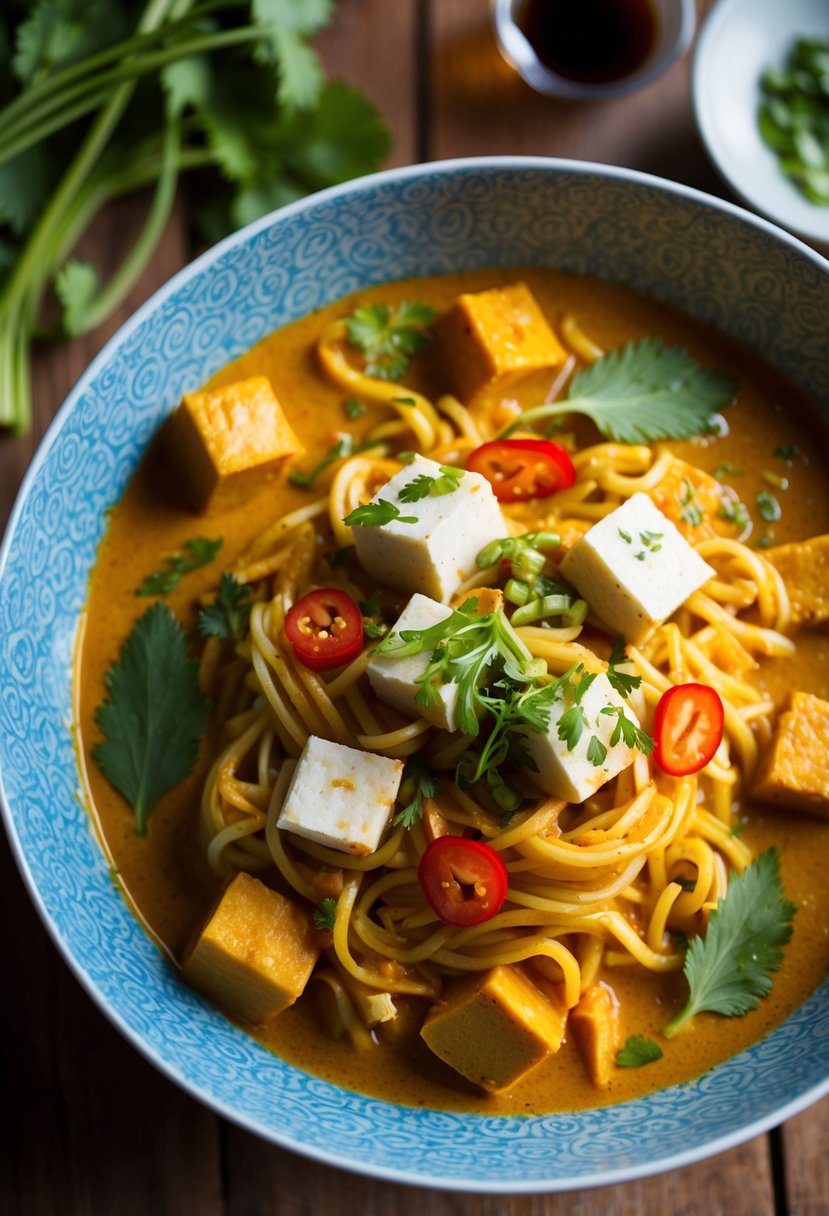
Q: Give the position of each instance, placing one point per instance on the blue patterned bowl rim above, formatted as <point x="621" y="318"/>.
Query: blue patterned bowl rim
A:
<point x="703" y="254"/>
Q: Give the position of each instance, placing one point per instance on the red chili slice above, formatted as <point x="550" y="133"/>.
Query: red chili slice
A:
<point x="465" y="881"/>
<point x="518" y="469"/>
<point x="325" y="629"/>
<point x="687" y="728"/>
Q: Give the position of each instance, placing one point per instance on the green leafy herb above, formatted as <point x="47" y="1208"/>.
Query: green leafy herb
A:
<point x="353" y="408"/>
<point x="371" y="606"/>
<point x="227" y="616"/>
<point x="100" y="98"/>
<point x="596" y="751"/>
<point x="153" y="716"/>
<point x="729" y="969"/>
<point x="417" y="784"/>
<point x="325" y="913"/>
<point x="199" y="551"/>
<point x="642" y="392"/>
<point x="788" y="453"/>
<point x="344" y="446"/>
<point x="638" y="1051"/>
<point x="425" y="486"/>
<point x="768" y="507"/>
<point x="388" y="337"/>
<point x="376" y="514"/>
<point x="621" y="680"/>
<point x="793" y="117"/>
<point x="627" y="729"/>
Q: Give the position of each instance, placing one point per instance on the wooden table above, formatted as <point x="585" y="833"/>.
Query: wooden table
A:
<point x="87" y="1126"/>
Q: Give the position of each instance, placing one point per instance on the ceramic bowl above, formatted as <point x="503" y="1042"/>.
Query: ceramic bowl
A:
<point x="739" y="40"/>
<point x="712" y="259"/>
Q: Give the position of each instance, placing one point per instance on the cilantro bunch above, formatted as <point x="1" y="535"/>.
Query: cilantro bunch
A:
<point x="99" y="98"/>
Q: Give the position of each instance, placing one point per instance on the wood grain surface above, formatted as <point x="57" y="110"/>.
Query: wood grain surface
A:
<point x="87" y="1127"/>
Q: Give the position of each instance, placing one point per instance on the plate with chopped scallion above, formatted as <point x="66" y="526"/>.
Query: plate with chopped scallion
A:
<point x="761" y="99"/>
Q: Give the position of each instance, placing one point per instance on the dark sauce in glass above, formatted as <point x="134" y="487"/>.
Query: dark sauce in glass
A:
<point x="594" y="41"/>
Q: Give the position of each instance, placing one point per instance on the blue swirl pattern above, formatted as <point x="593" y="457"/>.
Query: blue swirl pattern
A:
<point x="715" y="261"/>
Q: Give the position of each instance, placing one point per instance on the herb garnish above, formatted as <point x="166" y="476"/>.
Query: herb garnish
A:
<point x="417" y="784"/>
<point x="729" y="969"/>
<point x="642" y="392"/>
<point x="325" y="913"/>
<point x="638" y="1051"/>
<point x="198" y="552"/>
<point x="627" y="729"/>
<point x="227" y="616"/>
<point x="376" y="514"/>
<point x="153" y="716"/>
<point x="623" y="683"/>
<point x="344" y="446"/>
<point x="388" y="337"/>
<point x="425" y="486"/>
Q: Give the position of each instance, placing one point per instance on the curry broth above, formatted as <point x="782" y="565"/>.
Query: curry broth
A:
<point x="164" y="875"/>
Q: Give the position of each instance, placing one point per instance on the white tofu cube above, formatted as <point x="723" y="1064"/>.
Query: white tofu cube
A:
<point x="634" y="568"/>
<point x="437" y="552"/>
<point x="568" y="773"/>
<point x="341" y="797"/>
<point x="395" y="680"/>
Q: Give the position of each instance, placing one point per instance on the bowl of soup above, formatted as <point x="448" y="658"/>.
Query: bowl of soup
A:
<point x="413" y="647"/>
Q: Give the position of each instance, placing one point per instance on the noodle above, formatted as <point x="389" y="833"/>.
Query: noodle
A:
<point x="609" y="883"/>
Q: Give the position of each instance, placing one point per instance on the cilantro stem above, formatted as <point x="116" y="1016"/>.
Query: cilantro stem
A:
<point x="92" y="91"/>
<point x="131" y="268"/>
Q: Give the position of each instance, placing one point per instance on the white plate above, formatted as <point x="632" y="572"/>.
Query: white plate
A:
<point x="739" y="39"/>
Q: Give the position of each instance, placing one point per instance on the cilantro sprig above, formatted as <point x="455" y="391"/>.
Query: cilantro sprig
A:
<point x="342" y="447"/>
<point x="376" y="514"/>
<point x="425" y="486"/>
<point x="153" y="716"/>
<point x="622" y="681"/>
<point x="388" y="337"/>
<point x="227" y="616"/>
<point x="642" y="392"/>
<point x="417" y="784"/>
<point x="729" y="969"/>
<point x="198" y="552"/>
<point x="106" y="97"/>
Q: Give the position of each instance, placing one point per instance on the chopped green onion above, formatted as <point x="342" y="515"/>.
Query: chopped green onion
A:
<point x="537" y="609"/>
<point x="516" y="592"/>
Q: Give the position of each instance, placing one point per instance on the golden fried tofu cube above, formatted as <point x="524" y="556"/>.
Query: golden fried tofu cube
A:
<point x="497" y="345"/>
<point x="494" y="1027"/>
<point x="595" y="1025"/>
<point x="793" y="771"/>
<point x="225" y="442"/>
<point x="804" y="568"/>
<point x="256" y="952"/>
<point x="697" y="503"/>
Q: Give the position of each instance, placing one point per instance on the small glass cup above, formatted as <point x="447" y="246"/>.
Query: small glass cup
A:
<point x="674" y="22"/>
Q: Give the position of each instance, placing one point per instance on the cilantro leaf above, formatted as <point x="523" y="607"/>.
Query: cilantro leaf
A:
<point x="571" y="726"/>
<point x="627" y="729"/>
<point x="153" y="716"/>
<point x="199" y="551"/>
<point x="729" y="969"/>
<point x="596" y="751"/>
<point x="388" y="336"/>
<point x="76" y="286"/>
<point x="623" y="683"/>
<point x="376" y="514"/>
<point x="421" y="487"/>
<point x="642" y="392"/>
<point x="325" y="913"/>
<point x="417" y="784"/>
<point x="638" y="1051"/>
<point x="227" y="616"/>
